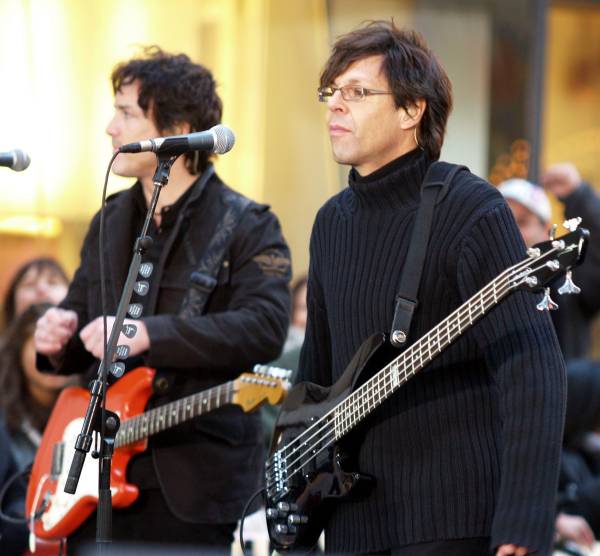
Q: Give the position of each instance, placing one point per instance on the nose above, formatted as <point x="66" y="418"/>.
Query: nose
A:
<point x="42" y="287"/>
<point x="111" y="128"/>
<point x="335" y="102"/>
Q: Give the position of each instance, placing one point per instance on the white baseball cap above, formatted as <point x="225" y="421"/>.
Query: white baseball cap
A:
<point x="531" y="196"/>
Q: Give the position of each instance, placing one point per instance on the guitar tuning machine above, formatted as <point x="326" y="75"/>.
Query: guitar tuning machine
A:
<point x="569" y="287"/>
<point x="552" y="232"/>
<point x="546" y="304"/>
<point x="572" y="223"/>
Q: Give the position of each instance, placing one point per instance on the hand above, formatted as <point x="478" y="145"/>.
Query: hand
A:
<point x="574" y="528"/>
<point x="512" y="550"/>
<point x="53" y="330"/>
<point x="92" y="336"/>
<point x="561" y="179"/>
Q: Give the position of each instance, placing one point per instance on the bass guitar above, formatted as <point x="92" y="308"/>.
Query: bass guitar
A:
<point x="54" y="514"/>
<point x="305" y="472"/>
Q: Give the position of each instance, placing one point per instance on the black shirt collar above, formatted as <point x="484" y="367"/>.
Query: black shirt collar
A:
<point x="397" y="184"/>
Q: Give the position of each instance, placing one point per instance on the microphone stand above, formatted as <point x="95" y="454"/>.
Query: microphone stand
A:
<point x="96" y="418"/>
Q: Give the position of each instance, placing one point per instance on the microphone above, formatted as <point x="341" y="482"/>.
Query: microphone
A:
<point x="218" y="139"/>
<point x="16" y="160"/>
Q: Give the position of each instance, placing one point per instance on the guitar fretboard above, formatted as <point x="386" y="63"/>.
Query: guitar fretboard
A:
<point x="172" y="414"/>
<point x="377" y="389"/>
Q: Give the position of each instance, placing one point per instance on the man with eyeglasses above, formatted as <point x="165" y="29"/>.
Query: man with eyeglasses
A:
<point x="465" y="455"/>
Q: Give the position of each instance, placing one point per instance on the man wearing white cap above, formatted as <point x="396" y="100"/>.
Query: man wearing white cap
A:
<point x="532" y="211"/>
<point x="531" y="208"/>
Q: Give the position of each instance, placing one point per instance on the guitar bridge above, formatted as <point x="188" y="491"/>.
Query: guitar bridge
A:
<point x="277" y="477"/>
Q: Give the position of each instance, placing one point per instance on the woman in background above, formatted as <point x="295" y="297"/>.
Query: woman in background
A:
<point x="26" y="395"/>
<point x="40" y="280"/>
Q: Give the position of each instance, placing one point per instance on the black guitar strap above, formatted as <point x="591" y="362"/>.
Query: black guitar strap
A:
<point x="203" y="279"/>
<point x="435" y="186"/>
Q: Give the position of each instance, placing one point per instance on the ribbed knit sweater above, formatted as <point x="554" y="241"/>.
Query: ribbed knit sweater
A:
<point x="470" y="447"/>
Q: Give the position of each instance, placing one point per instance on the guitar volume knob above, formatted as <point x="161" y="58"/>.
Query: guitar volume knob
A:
<point x="281" y="529"/>
<point x="283" y="507"/>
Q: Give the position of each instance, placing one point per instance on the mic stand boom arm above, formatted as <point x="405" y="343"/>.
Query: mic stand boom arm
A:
<point x="94" y="417"/>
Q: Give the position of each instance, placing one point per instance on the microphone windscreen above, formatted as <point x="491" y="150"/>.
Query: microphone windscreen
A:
<point x="225" y="139"/>
<point x="22" y="160"/>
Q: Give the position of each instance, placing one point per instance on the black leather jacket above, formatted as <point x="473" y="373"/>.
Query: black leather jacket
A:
<point x="207" y="468"/>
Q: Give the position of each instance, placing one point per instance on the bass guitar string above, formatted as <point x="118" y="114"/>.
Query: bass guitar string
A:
<point x="480" y="297"/>
<point x="440" y="325"/>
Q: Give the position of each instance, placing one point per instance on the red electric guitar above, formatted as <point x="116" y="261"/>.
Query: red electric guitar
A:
<point x="55" y="514"/>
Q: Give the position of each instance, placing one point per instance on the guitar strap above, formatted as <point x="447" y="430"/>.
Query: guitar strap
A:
<point x="203" y="280"/>
<point x="435" y="187"/>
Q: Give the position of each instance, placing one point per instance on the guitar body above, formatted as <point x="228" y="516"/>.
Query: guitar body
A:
<point x="298" y="506"/>
<point x="65" y="512"/>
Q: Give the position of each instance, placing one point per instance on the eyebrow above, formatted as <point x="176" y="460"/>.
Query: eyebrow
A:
<point x="364" y="82"/>
<point x="121" y="106"/>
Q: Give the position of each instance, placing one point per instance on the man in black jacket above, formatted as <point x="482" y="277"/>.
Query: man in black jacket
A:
<point x="465" y="455"/>
<point x="195" y="479"/>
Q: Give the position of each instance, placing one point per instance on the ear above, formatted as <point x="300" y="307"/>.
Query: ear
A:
<point x="411" y="116"/>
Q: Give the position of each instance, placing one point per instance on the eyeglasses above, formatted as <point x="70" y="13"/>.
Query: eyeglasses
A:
<point x="348" y="92"/>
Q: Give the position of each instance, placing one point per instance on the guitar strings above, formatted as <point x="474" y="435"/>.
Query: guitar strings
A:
<point x="148" y="423"/>
<point x="308" y="430"/>
<point x="421" y="348"/>
<point x="330" y="435"/>
<point x="454" y="314"/>
<point x="401" y="356"/>
<point x="140" y="426"/>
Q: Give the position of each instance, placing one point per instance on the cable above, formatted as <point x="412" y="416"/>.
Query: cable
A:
<point x="5" y="488"/>
<point x="246" y="509"/>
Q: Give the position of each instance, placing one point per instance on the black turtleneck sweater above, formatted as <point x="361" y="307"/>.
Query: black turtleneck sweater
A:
<point x="470" y="447"/>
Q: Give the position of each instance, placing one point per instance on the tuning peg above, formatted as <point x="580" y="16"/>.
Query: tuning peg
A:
<point x="572" y="224"/>
<point x="569" y="286"/>
<point x="552" y="232"/>
<point x="547" y="304"/>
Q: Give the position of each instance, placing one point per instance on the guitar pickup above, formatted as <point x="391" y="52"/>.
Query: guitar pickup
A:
<point x="58" y="452"/>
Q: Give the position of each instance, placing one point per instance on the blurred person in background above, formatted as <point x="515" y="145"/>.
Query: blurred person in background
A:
<point x="27" y="395"/>
<point x="290" y="355"/>
<point x="293" y="343"/>
<point x="531" y="208"/>
<point x="579" y="485"/>
<point x="13" y="537"/>
<point x="40" y="280"/>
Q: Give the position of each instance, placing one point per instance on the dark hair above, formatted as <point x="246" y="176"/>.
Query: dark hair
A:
<point x="176" y="91"/>
<point x="16" y="402"/>
<point x="40" y="264"/>
<point x="411" y="69"/>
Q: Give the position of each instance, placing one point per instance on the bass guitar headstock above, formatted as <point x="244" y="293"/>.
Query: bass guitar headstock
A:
<point x="548" y="260"/>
